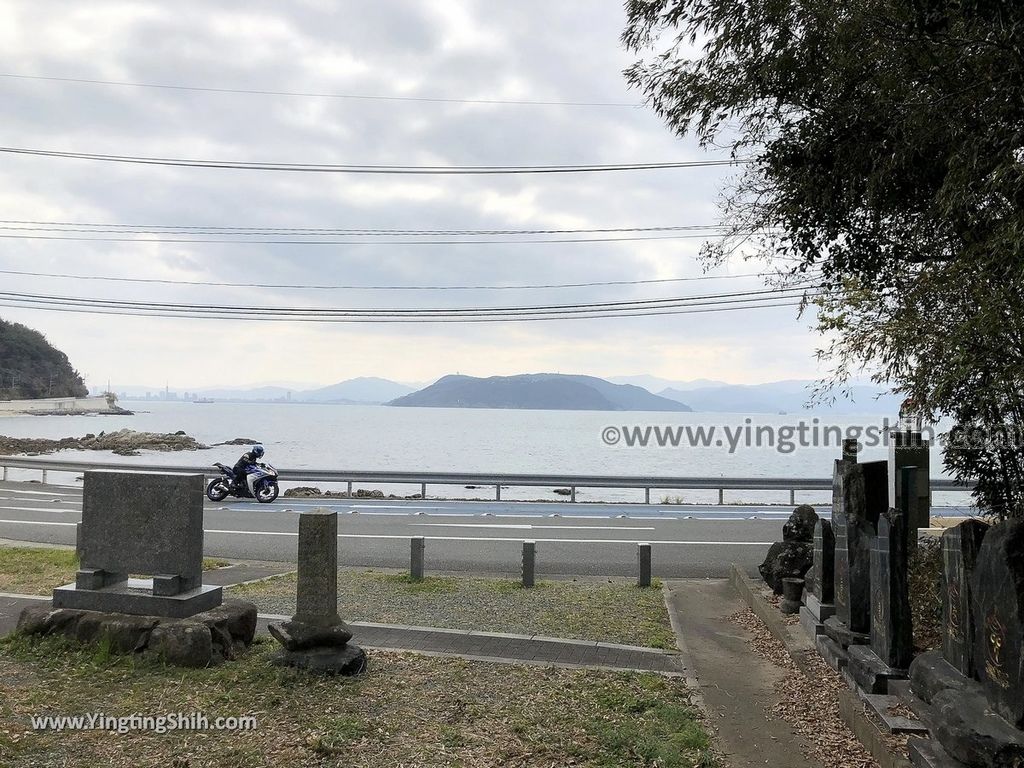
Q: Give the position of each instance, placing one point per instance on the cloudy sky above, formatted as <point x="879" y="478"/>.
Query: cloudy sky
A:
<point x="463" y="50"/>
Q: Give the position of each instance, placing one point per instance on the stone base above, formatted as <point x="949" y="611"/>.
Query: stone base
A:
<point x="811" y="625"/>
<point x="135" y="596"/>
<point x="926" y="753"/>
<point x="930" y="673"/>
<point x="871" y="674"/>
<point x="881" y="705"/>
<point x="821" y="612"/>
<point x="347" y="660"/>
<point x="843" y="635"/>
<point x="299" y="635"/>
<point x="198" y="641"/>
<point x="972" y="733"/>
<point x="833" y="653"/>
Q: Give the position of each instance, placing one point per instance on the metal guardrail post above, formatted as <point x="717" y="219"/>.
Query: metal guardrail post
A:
<point x="792" y="496"/>
<point x="350" y="489"/>
<point x="416" y="558"/>
<point x="423" y="490"/>
<point x="44" y="477"/>
<point x="5" y="475"/>
<point x="647" y="495"/>
<point x="497" y="492"/>
<point x="643" y="555"/>
<point x="572" y="493"/>
<point x="529" y="562"/>
<point x="721" y="496"/>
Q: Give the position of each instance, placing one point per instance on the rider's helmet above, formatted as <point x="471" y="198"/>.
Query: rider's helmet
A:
<point x="257" y="451"/>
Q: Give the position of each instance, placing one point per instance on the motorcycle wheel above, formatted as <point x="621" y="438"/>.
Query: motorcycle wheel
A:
<point x="266" y="492"/>
<point x="217" y="490"/>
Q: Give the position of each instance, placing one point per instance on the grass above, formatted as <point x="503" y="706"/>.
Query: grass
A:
<point x="37" y="570"/>
<point x="407" y="710"/>
<point x="617" y="612"/>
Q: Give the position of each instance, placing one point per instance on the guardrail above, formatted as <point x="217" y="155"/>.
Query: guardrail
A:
<point x="424" y="479"/>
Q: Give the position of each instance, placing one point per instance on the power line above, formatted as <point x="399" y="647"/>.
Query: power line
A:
<point x="63" y="226"/>
<point x="468" y="314"/>
<point x="357" y="96"/>
<point x="596" y="283"/>
<point x="435" y="170"/>
<point x="534" y="241"/>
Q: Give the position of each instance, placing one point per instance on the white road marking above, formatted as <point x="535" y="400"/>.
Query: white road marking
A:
<point x="39" y="509"/>
<point x="530" y="527"/>
<point x="41" y="493"/>
<point x="34" y="522"/>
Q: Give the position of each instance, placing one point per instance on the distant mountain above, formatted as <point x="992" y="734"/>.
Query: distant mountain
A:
<point x="366" y="389"/>
<point x="781" y="396"/>
<point x="656" y="384"/>
<point x="31" y="367"/>
<point x="539" y="391"/>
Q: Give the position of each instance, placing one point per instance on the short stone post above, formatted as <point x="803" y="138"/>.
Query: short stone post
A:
<point x="529" y="563"/>
<point x="643" y="555"/>
<point x="416" y="548"/>
<point x="908" y="449"/>
<point x="316" y="639"/>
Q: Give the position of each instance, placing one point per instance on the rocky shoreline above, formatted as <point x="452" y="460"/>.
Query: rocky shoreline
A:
<point x="123" y="442"/>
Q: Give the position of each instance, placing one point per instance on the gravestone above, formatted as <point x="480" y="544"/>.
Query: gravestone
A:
<point x="909" y="449"/>
<point x="146" y="523"/>
<point x="316" y="639"/>
<point x="997" y="596"/>
<point x="818" y="603"/>
<point x="891" y="648"/>
<point x="859" y="496"/>
<point x="960" y="547"/>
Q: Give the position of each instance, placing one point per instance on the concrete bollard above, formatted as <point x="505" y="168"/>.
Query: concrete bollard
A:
<point x="643" y="555"/>
<point x="418" y="544"/>
<point x="529" y="562"/>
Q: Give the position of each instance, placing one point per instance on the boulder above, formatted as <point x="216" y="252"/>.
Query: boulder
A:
<point x="967" y="728"/>
<point x="786" y="559"/>
<point x="800" y="526"/>
<point x="182" y="643"/>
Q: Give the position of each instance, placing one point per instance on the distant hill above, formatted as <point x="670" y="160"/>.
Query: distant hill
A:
<point x="366" y="389"/>
<point x="539" y="391"/>
<point x="781" y="396"/>
<point x="31" y="367"/>
<point x="657" y="384"/>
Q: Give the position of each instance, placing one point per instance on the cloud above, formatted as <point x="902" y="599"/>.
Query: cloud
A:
<point x="529" y="50"/>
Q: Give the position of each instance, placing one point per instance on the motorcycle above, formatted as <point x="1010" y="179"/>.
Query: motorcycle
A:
<point x="260" y="483"/>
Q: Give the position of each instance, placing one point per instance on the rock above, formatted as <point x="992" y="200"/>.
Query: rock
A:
<point x="240" y="441"/>
<point x="792" y="589"/>
<point x="298" y="635"/>
<point x="347" y="660"/>
<point x="182" y="643"/>
<point x="236" y="617"/>
<point x="363" y="493"/>
<point x="304" y="491"/>
<point x="125" y="633"/>
<point x="786" y="559"/>
<point x="800" y="526"/>
<point x="968" y="730"/>
<point x="562" y="491"/>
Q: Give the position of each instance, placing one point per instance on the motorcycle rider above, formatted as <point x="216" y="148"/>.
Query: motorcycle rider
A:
<point x="247" y="459"/>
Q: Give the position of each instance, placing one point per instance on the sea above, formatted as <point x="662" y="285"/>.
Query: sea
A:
<point x="477" y="440"/>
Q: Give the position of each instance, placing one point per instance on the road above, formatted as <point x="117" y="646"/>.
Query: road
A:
<point x="572" y="539"/>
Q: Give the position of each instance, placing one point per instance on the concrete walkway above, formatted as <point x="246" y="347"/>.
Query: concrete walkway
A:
<point x="738" y="686"/>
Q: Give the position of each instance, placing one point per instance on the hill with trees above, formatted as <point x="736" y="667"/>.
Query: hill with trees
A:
<point x="31" y="367"/>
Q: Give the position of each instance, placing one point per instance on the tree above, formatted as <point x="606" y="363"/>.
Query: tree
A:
<point x="31" y="367"/>
<point x="882" y="144"/>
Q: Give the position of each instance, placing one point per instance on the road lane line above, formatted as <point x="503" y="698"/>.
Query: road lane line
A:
<point x="530" y="527"/>
<point x="40" y="509"/>
<point x="34" y="522"/>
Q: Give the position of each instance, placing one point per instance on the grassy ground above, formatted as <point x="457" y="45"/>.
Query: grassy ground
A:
<point x="37" y="570"/>
<point x="408" y="710"/>
<point x="615" y="612"/>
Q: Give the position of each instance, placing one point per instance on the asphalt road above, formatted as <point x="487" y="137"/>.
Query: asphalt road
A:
<point x="486" y="537"/>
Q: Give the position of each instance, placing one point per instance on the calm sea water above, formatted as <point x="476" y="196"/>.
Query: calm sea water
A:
<point x="466" y="440"/>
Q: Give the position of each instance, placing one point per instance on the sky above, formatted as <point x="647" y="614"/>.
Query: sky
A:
<point x="531" y="50"/>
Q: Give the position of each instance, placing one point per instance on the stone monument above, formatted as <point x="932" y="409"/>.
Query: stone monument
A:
<point x="818" y="602"/>
<point x="146" y="523"/>
<point x="908" y="449"/>
<point x="316" y="639"/>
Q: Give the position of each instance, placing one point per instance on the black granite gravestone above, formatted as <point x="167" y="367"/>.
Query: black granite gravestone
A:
<point x="863" y="493"/>
<point x="997" y="596"/>
<point x="824" y="562"/>
<point x="960" y="547"/>
<point x="891" y="623"/>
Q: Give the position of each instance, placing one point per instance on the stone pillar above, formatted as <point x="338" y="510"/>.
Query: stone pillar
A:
<point x="316" y="599"/>
<point x="529" y="563"/>
<point x="417" y="545"/>
<point x="643" y="555"/>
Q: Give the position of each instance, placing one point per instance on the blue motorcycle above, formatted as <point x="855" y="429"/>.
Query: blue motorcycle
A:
<point x="259" y="482"/>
